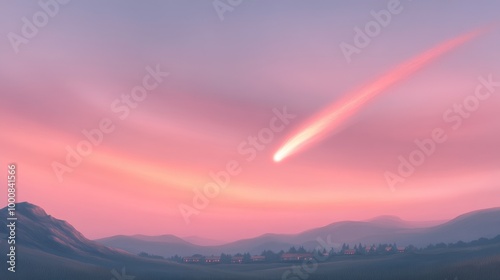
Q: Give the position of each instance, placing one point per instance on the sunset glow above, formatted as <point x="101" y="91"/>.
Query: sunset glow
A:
<point x="104" y="139"/>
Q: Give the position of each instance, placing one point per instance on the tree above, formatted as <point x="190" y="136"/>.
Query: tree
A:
<point x="301" y="250"/>
<point x="344" y="247"/>
<point x="270" y="256"/>
<point x="280" y="253"/>
<point x="331" y="253"/>
<point x="361" y="249"/>
<point x="247" y="258"/>
<point x="225" y="258"/>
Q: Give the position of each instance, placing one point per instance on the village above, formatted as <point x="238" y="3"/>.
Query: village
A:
<point x="292" y="255"/>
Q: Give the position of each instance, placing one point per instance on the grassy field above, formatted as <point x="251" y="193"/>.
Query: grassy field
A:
<point x="471" y="263"/>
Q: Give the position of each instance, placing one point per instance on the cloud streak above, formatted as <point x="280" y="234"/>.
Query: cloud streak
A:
<point x="328" y="120"/>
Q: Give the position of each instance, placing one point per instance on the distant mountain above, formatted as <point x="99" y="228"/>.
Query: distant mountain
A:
<point x="389" y="220"/>
<point x="48" y="248"/>
<point x="384" y="229"/>
<point x="340" y="232"/>
<point x="159" y="238"/>
<point x="396" y="221"/>
<point x="169" y="248"/>
<point x="202" y="241"/>
<point x="467" y="227"/>
<point x="161" y="245"/>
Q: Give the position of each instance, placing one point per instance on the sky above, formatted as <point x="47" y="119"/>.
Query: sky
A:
<point x="258" y="70"/>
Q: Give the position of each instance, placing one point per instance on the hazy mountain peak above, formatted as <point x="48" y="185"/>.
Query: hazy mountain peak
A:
<point x="42" y="231"/>
<point x="481" y="212"/>
<point x="202" y="241"/>
<point x="30" y="210"/>
<point x="395" y="221"/>
<point x="386" y="219"/>
<point x="159" y="238"/>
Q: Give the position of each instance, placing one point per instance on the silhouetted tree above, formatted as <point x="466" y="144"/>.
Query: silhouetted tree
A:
<point x="344" y="247"/>
<point x="270" y="256"/>
<point x="247" y="258"/>
<point x="225" y="258"/>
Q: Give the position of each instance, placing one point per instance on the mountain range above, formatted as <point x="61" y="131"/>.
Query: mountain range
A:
<point x="49" y="248"/>
<point x="386" y="229"/>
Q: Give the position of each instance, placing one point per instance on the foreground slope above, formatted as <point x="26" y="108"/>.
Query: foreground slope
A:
<point x="48" y="248"/>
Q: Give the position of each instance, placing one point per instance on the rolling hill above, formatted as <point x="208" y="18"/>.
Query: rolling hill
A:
<point x="467" y="227"/>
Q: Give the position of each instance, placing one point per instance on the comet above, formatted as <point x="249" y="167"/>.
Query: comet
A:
<point x="329" y="119"/>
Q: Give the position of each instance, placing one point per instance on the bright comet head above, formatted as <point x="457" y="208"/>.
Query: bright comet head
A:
<point x="277" y="157"/>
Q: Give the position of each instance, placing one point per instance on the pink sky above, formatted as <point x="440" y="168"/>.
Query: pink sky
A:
<point x="225" y="80"/>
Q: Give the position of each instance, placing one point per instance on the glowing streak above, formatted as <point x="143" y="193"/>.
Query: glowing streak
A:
<point x="334" y="115"/>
